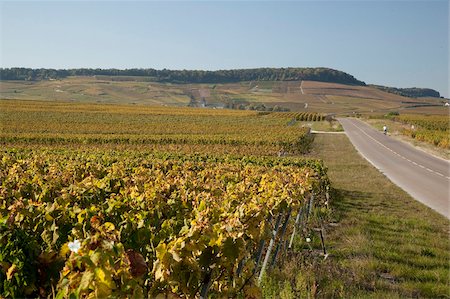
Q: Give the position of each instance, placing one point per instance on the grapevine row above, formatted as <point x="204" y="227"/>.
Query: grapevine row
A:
<point x="431" y="129"/>
<point x="300" y="116"/>
<point x="111" y="224"/>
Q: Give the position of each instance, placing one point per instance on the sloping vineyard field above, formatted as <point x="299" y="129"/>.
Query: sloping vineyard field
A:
<point x="433" y="129"/>
<point x="187" y="130"/>
<point x="300" y="116"/>
<point x="86" y="215"/>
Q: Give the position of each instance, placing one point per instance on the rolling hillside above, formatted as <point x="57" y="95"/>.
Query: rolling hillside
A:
<point x="304" y="95"/>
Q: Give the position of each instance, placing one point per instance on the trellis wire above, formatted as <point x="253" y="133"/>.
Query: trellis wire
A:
<point x="297" y="220"/>
<point x="269" y="249"/>
<point x="303" y="214"/>
<point x="283" y="231"/>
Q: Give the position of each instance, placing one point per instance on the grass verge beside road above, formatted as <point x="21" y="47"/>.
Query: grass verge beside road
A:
<point x="324" y="126"/>
<point x="382" y="243"/>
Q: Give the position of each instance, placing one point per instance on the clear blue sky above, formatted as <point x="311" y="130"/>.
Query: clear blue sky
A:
<point x="394" y="43"/>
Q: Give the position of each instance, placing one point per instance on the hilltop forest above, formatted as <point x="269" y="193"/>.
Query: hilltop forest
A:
<point x="413" y="92"/>
<point x="189" y="76"/>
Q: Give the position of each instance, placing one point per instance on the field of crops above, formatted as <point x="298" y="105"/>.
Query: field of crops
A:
<point x="335" y="89"/>
<point x="132" y="201"/>
<point x="324" y="97"/>
<point x="434" y="129"/>
<point x="300" y="116"/>
<point x="186" y="129"/>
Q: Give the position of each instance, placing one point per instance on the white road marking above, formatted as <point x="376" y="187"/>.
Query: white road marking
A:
<point x="394" y="152"/>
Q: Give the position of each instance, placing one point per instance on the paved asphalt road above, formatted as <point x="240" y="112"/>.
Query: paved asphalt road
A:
<point x="425" y="177"/>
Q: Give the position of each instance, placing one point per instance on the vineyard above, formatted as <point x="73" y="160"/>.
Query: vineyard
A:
<point x="187" y="130"/>
<point x="300" y="116"/>
<point x="431" y="129"/>
<point x="119" y="201"/>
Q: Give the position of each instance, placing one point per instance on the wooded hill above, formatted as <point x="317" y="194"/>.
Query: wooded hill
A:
<point x="413" y="92"/>
<point x="319" y="74"/>
<point x="189" y="76"/>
